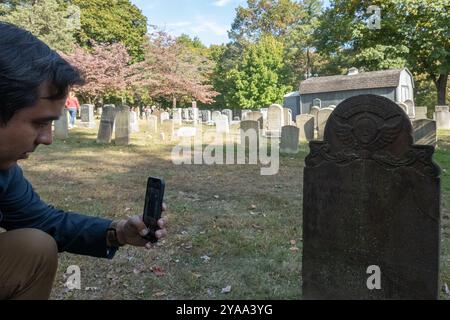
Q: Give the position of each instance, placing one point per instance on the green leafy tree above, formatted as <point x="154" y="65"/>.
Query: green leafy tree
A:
<point x="49" y="20"/>
<point x="414" y="33"/>
<point x="112" y="21"/>
<point x="255" y="80"/>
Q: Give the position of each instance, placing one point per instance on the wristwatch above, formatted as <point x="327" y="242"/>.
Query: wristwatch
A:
<point x="111" y="235"/>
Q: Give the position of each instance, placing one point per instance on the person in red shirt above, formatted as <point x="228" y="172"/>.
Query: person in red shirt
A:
<point x="73" y="106"/>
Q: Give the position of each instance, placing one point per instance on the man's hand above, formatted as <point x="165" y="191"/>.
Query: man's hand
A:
<point x="131" y="230"/>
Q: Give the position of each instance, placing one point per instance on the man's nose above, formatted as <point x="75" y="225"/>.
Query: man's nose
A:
<point x="45" y="136"/>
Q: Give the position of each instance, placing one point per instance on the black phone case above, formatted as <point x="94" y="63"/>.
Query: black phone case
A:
<point x="153" y="206"/>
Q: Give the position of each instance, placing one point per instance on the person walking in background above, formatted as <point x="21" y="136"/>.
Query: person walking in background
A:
<point x="73" y="106"/>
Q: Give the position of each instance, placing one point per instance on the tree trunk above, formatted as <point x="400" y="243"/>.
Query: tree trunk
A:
<point x="441" y="87"/>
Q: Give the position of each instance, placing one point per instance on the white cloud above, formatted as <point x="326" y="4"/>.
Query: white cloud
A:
<point x="209" y="26"/>
<point x="179" y="24"/>
<point x="221" y="3"/>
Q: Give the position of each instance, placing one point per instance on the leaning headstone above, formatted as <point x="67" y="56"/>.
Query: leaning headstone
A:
<point x="87" y="116"/>
<point x="222" y="124"/>
<point x="305" y="123"/>
<point x="421" y="113"/>
<point x="275" y="120"/>
<point x="256" y="116"/>
<point x="287" y="116"/>
<point x="424" y="132"/>
<point x="322" y="118"/>
<point x="105" y="129"/>
<point x="289" y="139"/>
<point x="249" y="130"/>
<point x="228" y="113"/>
<point x="442" y="117"/>
<point x="62" y="126"/>
<point x="371" y="215"/>
<point x="152" y="122"/>
<point x="122" y="123"/>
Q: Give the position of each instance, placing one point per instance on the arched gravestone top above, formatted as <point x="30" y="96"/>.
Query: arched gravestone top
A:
<point x="370" y="127"/>
<point x="370" y="198"/>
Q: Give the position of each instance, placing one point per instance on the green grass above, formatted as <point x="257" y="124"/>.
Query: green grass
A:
<point x="248" y="225"/>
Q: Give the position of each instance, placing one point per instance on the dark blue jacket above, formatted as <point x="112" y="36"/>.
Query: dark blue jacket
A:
<point x="21" y="207"/>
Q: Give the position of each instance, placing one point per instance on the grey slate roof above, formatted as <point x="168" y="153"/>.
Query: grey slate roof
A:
<point x="363" y="80"/>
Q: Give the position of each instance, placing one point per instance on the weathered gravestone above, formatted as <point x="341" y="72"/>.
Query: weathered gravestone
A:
<point x="289" y="139"/>
<point x="185" y="114"/>
<point x="287" y="116"/>
<point x="215" y="115"/>
<point x="206" y="116"/>
<point x="134" y="121"/>
<point x="152" y="122"/>
<point x="424" y="131"/>
<point x="442" y="117"/>
<point x="411" y="108"/>
<point x="222" y="124"/>
<point x="164" y="116"/>
<point x="122" y="124"/>
<point x="62" y="126"/>
<point x="404" y="106"/>
<point x="421" y="113"/>
<point x="177" y="116"/>
<point x="275" y="120"/>
<point x="250" y="131"/>
<point x="322" y="118"/>
<point x="315" y="113"/>
<point x="87" y="116"/>
<point x="228" y="113"/>
<point x="305" y="123"/>
<point x="106" y="124"/>
<point x="371" y="216"/>
<point x="167" y="130"/>
<point x="244" y="114"/>
<point x="256" y="116"/>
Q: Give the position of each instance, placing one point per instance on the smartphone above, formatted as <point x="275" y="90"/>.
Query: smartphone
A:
<point x="153" y="206"/>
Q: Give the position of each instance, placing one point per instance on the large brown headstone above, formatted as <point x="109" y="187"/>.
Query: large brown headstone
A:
<point x="371" y="211"/>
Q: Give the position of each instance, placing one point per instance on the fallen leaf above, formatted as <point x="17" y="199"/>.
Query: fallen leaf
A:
<point x="205" y="258"/>
<point x="227" y="289"/>
<point x="159" y="294"/>
<point x="196" y="275"/>
<point x="158" y="271"/>
<point x="294" y="249"/>
<point x="252" y="207"/>
<point x="257" y="227"/>
<point x="293" y="242"/>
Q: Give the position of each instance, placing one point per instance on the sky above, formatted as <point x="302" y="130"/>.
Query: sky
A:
<point x="209" y="20"/>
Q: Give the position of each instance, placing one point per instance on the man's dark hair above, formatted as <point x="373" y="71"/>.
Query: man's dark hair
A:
<point x="25" y="64"/>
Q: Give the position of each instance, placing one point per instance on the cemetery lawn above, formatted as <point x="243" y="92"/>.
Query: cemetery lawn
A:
<point x="229" y="228"/>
